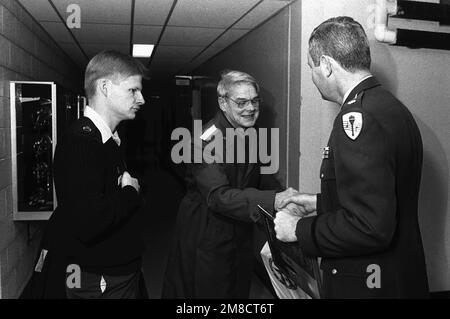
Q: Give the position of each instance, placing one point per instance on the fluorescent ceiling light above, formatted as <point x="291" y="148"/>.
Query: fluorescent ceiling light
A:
<point x="142" y="50"/>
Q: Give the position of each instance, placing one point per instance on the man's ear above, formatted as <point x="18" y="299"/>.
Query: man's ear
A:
<point x="222" y="103"/>
<point x="326" y="66"/>
<point x="103" y="86"/>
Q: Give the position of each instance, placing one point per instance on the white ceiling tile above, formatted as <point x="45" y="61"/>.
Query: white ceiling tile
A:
<point x="189" y="36"/>
<point x="261" y="13"/>
<point x="194" y="24"/>
<point x="74" y="52"/>
<point x="176" y="52"/>
<point x="152" y="12"/>
<point x="92" y="49"/>
<point x="229" y="37"/>
<point x="146" y="34"/>
<point x="57" y="31"/>
<point x="41" y="10"/>
<point x="209" y="13"/>
<point x="98" y="11"/>
<point x="103" y="33"/>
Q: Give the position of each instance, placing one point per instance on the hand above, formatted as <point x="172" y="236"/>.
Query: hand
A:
<point x="126" y="179"/>
<point x="294" y="210"/>
<point x="285" y="226"/>
<point x="307" y="203"/>
<point x="279" y="197"/>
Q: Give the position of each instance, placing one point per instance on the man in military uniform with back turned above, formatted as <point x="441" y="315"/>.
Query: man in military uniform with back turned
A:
<point x="366" y="229"/>
<point x="96" y="225"/>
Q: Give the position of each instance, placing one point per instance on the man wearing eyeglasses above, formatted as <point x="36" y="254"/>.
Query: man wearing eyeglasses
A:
<point x="244" y="110"/>
<point x="212" y="255"/>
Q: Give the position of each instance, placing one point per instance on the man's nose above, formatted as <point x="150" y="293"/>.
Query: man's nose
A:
<point x="251" y="106"/>
<point x="140" y="98"/>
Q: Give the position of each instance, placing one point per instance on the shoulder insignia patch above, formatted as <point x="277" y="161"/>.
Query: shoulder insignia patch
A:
<point x="352" y="123"/>
<point x="208" y="133"/>
<point x="87" y="129"/>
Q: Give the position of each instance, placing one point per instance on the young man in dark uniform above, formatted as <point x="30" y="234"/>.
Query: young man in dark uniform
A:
<point x="366" y="229"/>
<point x="96" y="226"/>
<point x="212" y="256"/>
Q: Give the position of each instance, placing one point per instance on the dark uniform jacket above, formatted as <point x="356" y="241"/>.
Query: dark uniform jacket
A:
<point x="97" y="223"/>
<point x="212" y="253"/>
<point x="367" y="228"/>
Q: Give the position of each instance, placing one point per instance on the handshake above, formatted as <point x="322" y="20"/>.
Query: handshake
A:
<point x="291" y="206"/>
<point x="295" y="203"/>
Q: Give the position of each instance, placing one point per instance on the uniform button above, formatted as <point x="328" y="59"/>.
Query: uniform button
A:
<point x="321" y="175"/>
<point x="334" y="271"/>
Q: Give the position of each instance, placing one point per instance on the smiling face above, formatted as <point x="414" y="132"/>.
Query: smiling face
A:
<point x="125" y="97"/>
<point x="246" y="115"/>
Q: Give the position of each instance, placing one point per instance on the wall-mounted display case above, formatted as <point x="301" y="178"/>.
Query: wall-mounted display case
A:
<point x="40" y="111"/>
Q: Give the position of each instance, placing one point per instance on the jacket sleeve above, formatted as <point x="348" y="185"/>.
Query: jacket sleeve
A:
<point x="365" y="181"/>
<point x="220" y="197"/>
<point x="88" y="209"/>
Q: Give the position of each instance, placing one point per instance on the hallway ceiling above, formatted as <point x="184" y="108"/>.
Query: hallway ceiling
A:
<point x="186" y="33"/>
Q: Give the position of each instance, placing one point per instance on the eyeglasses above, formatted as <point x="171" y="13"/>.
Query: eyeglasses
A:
<point x="243" y="103"/>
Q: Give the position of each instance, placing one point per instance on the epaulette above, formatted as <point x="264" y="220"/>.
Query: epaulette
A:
<point x="357" y="98"/>
<point x="350" y="102"/>
<point x="208" y="133"/>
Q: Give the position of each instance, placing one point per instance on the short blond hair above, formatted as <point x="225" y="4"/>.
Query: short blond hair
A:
<point x="110" y="64"/>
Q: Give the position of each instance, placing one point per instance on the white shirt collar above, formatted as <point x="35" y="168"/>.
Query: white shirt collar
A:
<point x="98" y="121"/>
<point x="351" y="89"/>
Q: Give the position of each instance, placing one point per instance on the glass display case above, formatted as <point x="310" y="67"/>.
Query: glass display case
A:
<point x="39" y="113"/>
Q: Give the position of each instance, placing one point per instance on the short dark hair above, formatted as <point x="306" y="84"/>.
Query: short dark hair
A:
<point x="343" y="39"/>
<point x="110" y="64"/>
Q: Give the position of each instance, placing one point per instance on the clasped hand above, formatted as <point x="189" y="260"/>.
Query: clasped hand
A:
<point x="291" y="206"/>
<point x="295" y="203"/>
